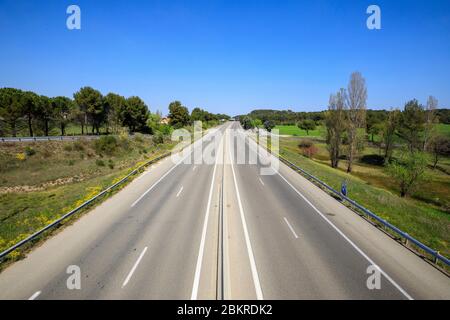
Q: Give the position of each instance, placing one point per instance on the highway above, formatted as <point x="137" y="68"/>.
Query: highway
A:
<point x="222" y="230"/>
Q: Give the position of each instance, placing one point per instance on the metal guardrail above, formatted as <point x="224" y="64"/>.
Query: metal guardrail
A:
<point x="435" y="254"/>
<point x="47" y="138"/>
<point x="83" y="205"/>
<point x="77" y="209"/>
<point x="407" y="237"/>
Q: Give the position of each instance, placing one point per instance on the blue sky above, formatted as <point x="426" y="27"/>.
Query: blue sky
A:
<point x="228" y="56"/>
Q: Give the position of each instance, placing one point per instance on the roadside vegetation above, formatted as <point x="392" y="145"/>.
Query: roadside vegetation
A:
<point x="41" y="181"/>
<point x="396" y="162"/>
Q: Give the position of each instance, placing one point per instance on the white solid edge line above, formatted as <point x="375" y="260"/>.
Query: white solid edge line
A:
<point x="261" y="181"/>
<point x="349" y="241"/>
<point x="192" y="146"/>
<point x="259" y="294"/>
<point x="134" y="268"/>
<point x="290" y="227"/>
<point x="198" y="267"/>
<point x="35" y="295"/>
<point x="395" y="284"/>
<point x="179" y="192"/>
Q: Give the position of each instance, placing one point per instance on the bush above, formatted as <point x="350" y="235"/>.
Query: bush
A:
<point x="100" y="163"/>
<point x="29" y="151"/>
<point x="409" y="172"/>
<point x="158" y="138"/>
<point x="111" y="164"/>
<point x="166" y="129"/>
<point x="21" y="156"/>
<point x="308" y="148"/>
<point x="106" y="144"/>
<point x="71" y="162"/>
<point x="305" y="143"/>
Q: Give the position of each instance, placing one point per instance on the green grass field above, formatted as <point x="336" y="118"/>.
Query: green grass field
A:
<point x="443" y="129"/>
<point x="296" y="131"/>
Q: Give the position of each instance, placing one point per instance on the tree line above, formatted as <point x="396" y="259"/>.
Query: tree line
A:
<point x="411" y="130"/>
<point x="350" y="127"/>
<point x="89" y="110"/>
<point x="289" y="117"/>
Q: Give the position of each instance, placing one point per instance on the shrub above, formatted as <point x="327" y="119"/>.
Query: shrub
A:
<point x="158" y="138"/>
<point x="21" y="156"/>
<point x="100" y="163"/>
<point x="308" y="148"/>
<point x="29" y="151"/>
<point x="106" y="144"/>
<point x="310" y="151"/>
<point x="305" y="143"/>
<point x="111" y="164"/>
<point x="409" y="172"/>
<point x="71" y="162"/>
<point x="166" y="129"/>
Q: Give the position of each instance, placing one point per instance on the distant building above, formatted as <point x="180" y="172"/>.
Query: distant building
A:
<point x="164" y="120"/>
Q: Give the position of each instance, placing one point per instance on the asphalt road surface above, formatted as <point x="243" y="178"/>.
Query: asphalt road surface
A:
<point x="222" y="228"/>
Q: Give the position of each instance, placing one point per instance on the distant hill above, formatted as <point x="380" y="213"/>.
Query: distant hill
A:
<point x="288" y="117"/>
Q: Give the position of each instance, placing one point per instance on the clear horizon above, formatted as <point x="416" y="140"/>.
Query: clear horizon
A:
<point x="229" y="56"/>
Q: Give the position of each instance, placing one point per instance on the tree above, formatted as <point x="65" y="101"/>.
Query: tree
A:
<point x="90" y="102"/>
<point x="269" y="125"/>
<point x="246" y="123"/>
<point x="135" y="114"/>
<point x="178" y="114"/>
<point x="307" y="125"/>
<point x="412" y="125"/>
<point x="45" y="112"/>
<point x="197" y="114"/>
<point x="63" y="109"/>
<point x="256" y="123"/>
<point x="30" y="105"/>
<point x="356" y="101"/>
<point x="335" y="123"/>
<point x="409" y="172"/>
<point x="430" y="120"/>
<point x="153" y="122"/>
<point x="388" y="132"/>
<point x="10" y="107"/>
<point x="114" y="105"/>
<point x="439" y="146"/>
<point x="374" y="122"/>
